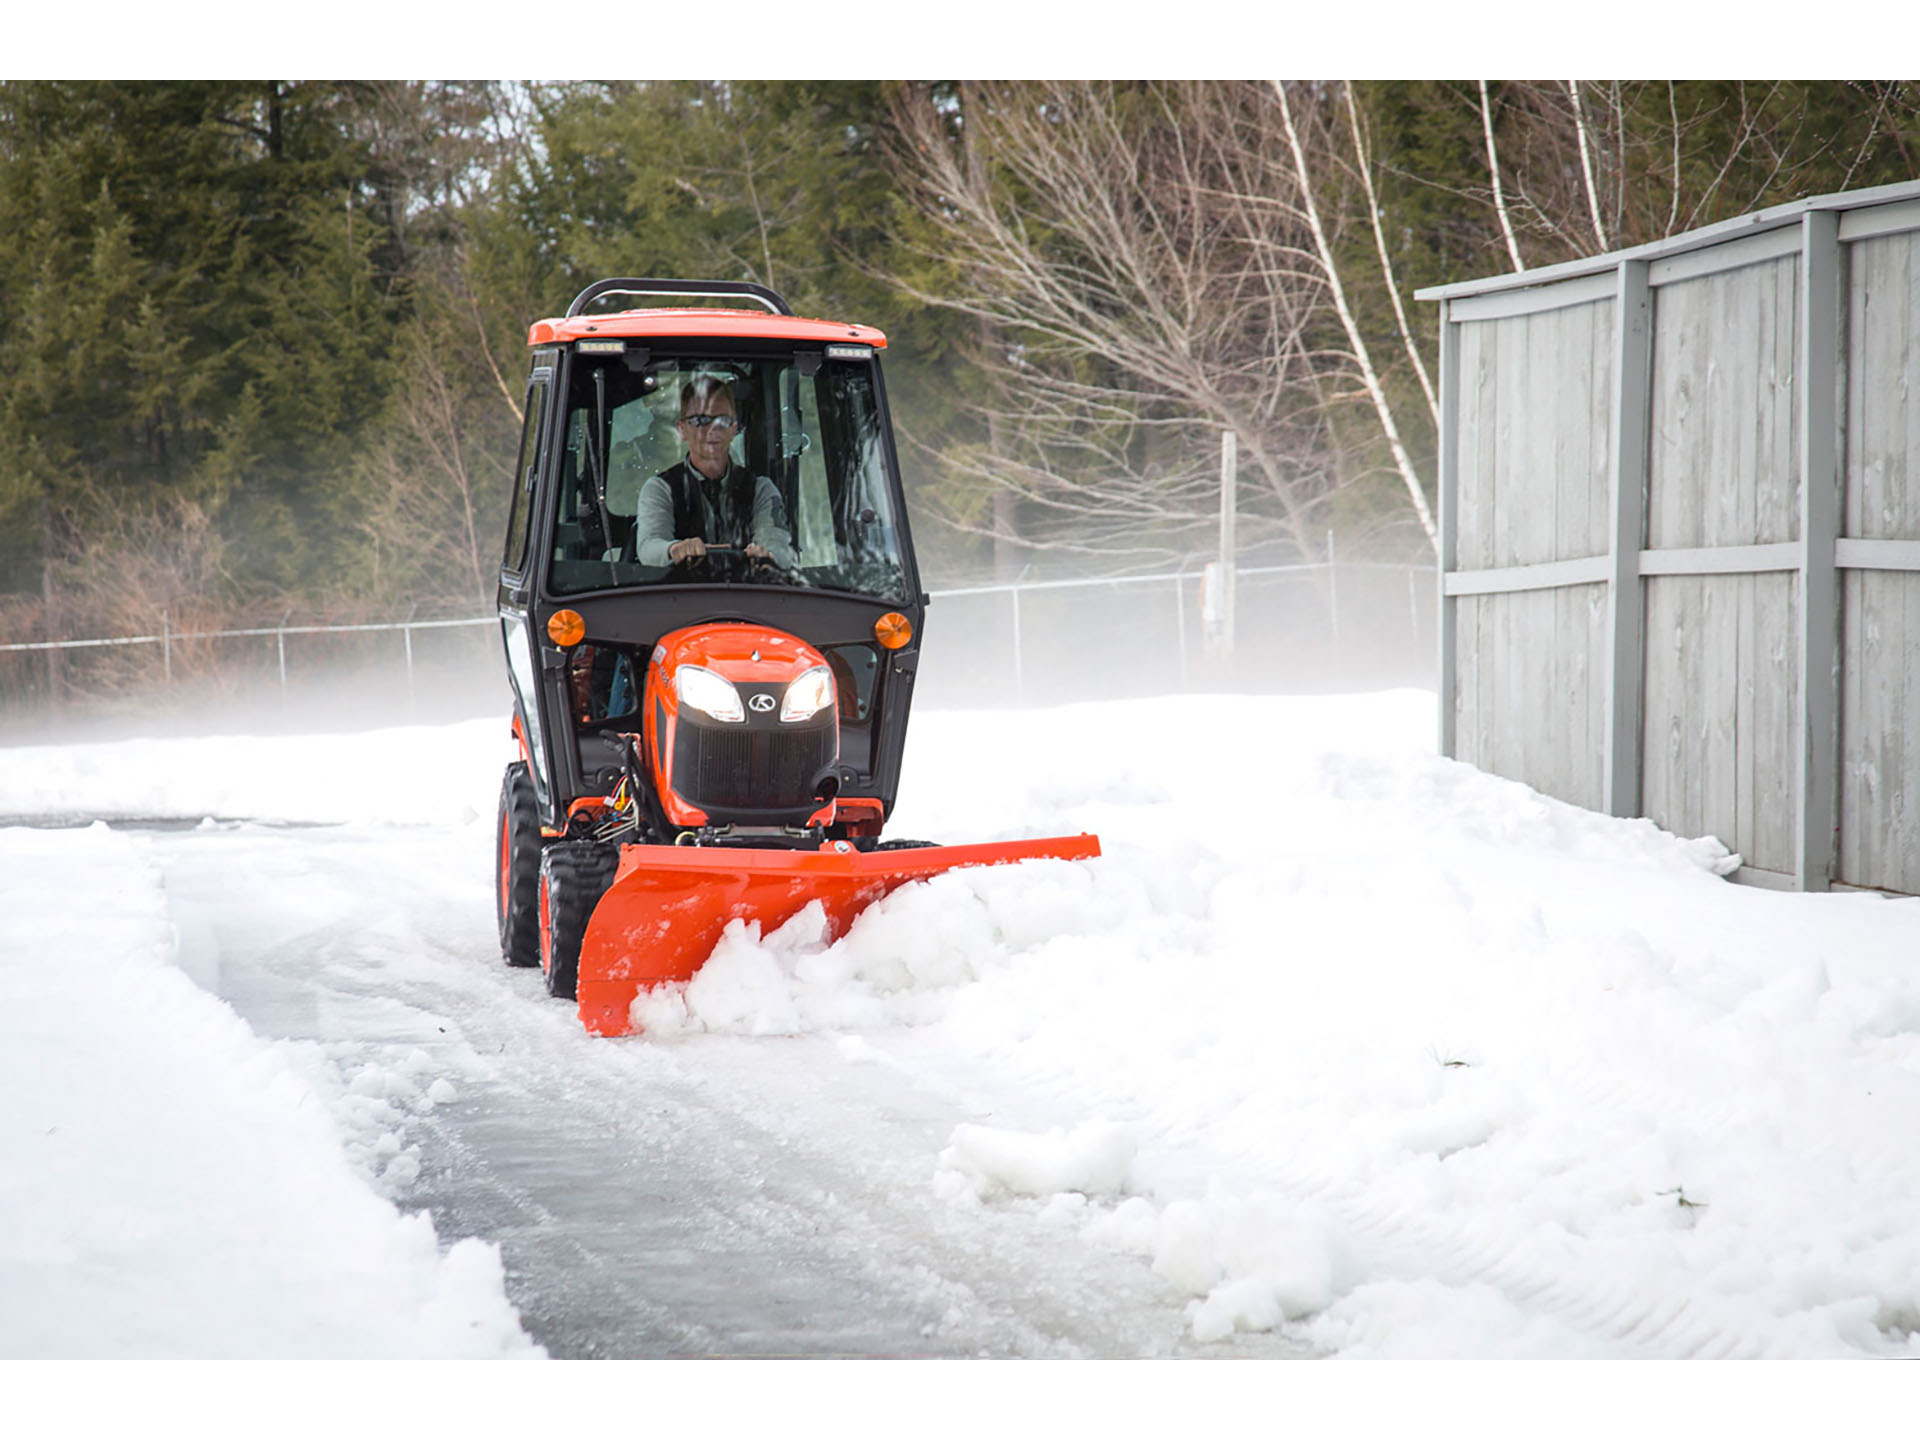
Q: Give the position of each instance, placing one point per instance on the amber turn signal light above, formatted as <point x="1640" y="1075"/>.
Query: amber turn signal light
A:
<point x="566" y="629"/>
<point x="893" y="630"/>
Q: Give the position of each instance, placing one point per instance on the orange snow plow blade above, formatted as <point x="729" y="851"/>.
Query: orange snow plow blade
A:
<point x="669" y="904"/>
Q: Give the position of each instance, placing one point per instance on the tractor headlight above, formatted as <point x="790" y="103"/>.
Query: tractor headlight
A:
<point x="809" y="695"/>
<point x="709" y="693"/>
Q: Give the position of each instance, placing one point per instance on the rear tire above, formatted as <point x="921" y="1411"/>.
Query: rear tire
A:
<point x="517" y="868"/>
<point x="574" y="874"/>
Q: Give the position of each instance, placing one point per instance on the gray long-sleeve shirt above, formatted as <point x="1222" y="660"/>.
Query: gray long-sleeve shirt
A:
<point x="653" y="520"/>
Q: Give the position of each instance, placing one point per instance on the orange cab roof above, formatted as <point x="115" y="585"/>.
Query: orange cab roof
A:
<point x="700" y="324"/>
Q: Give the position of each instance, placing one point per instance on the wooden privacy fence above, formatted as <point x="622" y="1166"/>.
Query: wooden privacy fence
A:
<point x="1680" y="534"/>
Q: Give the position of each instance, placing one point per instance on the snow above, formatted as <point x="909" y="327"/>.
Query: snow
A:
<point x="169" y="1186"/>
<point x="409" y="775"/>
<point x="1340" y="1039"/>
<point x="1089" y="1160"/>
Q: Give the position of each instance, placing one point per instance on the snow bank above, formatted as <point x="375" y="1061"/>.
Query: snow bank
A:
<point x="1402" y="1058"/>
<point x="1338" y="1038"/>
<point x="407" y="775"/>
<point x="169" y="1185"/>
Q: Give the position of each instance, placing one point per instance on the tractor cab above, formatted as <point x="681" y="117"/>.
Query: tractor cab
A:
<point x="766" y="436"/>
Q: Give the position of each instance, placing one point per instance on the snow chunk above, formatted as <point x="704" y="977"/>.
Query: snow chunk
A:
<point x="1256" y="1263"/>
<point x="1092" y="1159"/>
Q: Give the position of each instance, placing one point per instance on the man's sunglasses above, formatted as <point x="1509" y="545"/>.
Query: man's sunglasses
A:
<point x="701" y="422"/>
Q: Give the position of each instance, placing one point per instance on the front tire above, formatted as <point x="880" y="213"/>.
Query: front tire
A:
<point x="517" y="868"/>
<point x="574" y="875"/>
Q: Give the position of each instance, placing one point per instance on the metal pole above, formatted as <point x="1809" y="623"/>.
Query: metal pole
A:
<point x="1180" y="624"/>
<point x="166" y="645"/>
<point x="1019" y="673"/>
<point x="1333" y="592"/>
<point x="1445" y="606"/>
<point x="1229" y="500"/>
<point x="54" y="675"/>
<point x="406" y="633"/>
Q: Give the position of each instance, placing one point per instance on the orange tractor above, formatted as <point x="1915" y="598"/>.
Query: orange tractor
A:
<point x="712" y="620"/>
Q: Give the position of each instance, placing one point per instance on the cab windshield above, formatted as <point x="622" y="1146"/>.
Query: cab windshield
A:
<point x="778" y="471"/>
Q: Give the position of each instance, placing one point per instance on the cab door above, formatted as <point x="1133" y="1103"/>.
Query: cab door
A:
<point x="516" y="581"/>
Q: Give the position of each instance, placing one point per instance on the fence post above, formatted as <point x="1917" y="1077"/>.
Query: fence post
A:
<point x="1019" y="673"/>
<point x="1180" y="623"/>
<point x="166" y="645"/>
<point x="280" y="635"/>
<point x="1447" y="523"/>
<point x="406" y="633"/>
<point x="1333" y="592"/>
<point x="1819" y="759"/>
<point x="1225" y="593"/>
<point x="1632" y="381"/>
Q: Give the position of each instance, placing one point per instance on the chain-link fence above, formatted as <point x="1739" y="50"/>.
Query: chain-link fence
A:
<point x="1296" y="628"/>
<point x="1299" y="627"/>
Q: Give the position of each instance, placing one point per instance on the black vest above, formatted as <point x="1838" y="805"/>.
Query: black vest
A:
<point x="720" y="514"/>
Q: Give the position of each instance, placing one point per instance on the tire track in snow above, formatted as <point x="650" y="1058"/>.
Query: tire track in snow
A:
<point x="707" y="1197"/>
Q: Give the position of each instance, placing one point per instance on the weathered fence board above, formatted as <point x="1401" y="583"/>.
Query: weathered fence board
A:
<point x="1527" y="705"/>
<point x="1879" y="704"/>
<point x="1517" y="420"/>
<point x="1723" y="471"/>
<point x="1724" y="467"/>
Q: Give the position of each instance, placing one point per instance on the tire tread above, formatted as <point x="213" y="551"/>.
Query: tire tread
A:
<point x="576" y="874"/>
<point x="518" y="826"/>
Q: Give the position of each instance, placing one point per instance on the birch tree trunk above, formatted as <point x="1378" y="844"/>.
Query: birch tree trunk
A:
<point x="1365" y="163"/>
<point x="1586" y="164"/>
<point x="1362" y="358"/>
<point x="1493" y="170"/>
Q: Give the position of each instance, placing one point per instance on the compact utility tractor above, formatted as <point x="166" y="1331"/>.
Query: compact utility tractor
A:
<point x="712" y="620"/>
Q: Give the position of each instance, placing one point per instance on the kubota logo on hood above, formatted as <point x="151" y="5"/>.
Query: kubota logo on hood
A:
<point x="760" y="702"/>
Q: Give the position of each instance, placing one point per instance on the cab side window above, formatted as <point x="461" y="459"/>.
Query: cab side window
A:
<point x="532" y="433"/>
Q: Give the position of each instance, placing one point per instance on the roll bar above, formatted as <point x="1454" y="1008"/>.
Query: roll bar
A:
<point x="709" y="289"/>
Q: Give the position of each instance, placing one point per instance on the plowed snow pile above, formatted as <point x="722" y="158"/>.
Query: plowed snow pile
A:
<point x="169" y="1185"/>
<point x="1402" y="1057"/>
<point x="1360" y="1044"/>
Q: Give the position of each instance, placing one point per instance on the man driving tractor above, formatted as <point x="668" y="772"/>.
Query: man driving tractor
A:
<point x="706" y="502"/>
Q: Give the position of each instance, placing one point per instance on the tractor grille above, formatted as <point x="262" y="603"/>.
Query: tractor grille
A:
<point x="750" y="768"/>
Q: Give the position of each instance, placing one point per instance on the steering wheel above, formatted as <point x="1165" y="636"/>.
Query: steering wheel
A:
<point x="766" y="565"/>
<point x="728" y="564"/>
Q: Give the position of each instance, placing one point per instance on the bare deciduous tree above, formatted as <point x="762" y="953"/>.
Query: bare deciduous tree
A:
<point x="1584" y="166"/>
<point x="1361" y="355"/>
<point x="1153" y="278"/>
<point x="433" y="493"/>
<point x="129" y="567"/>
